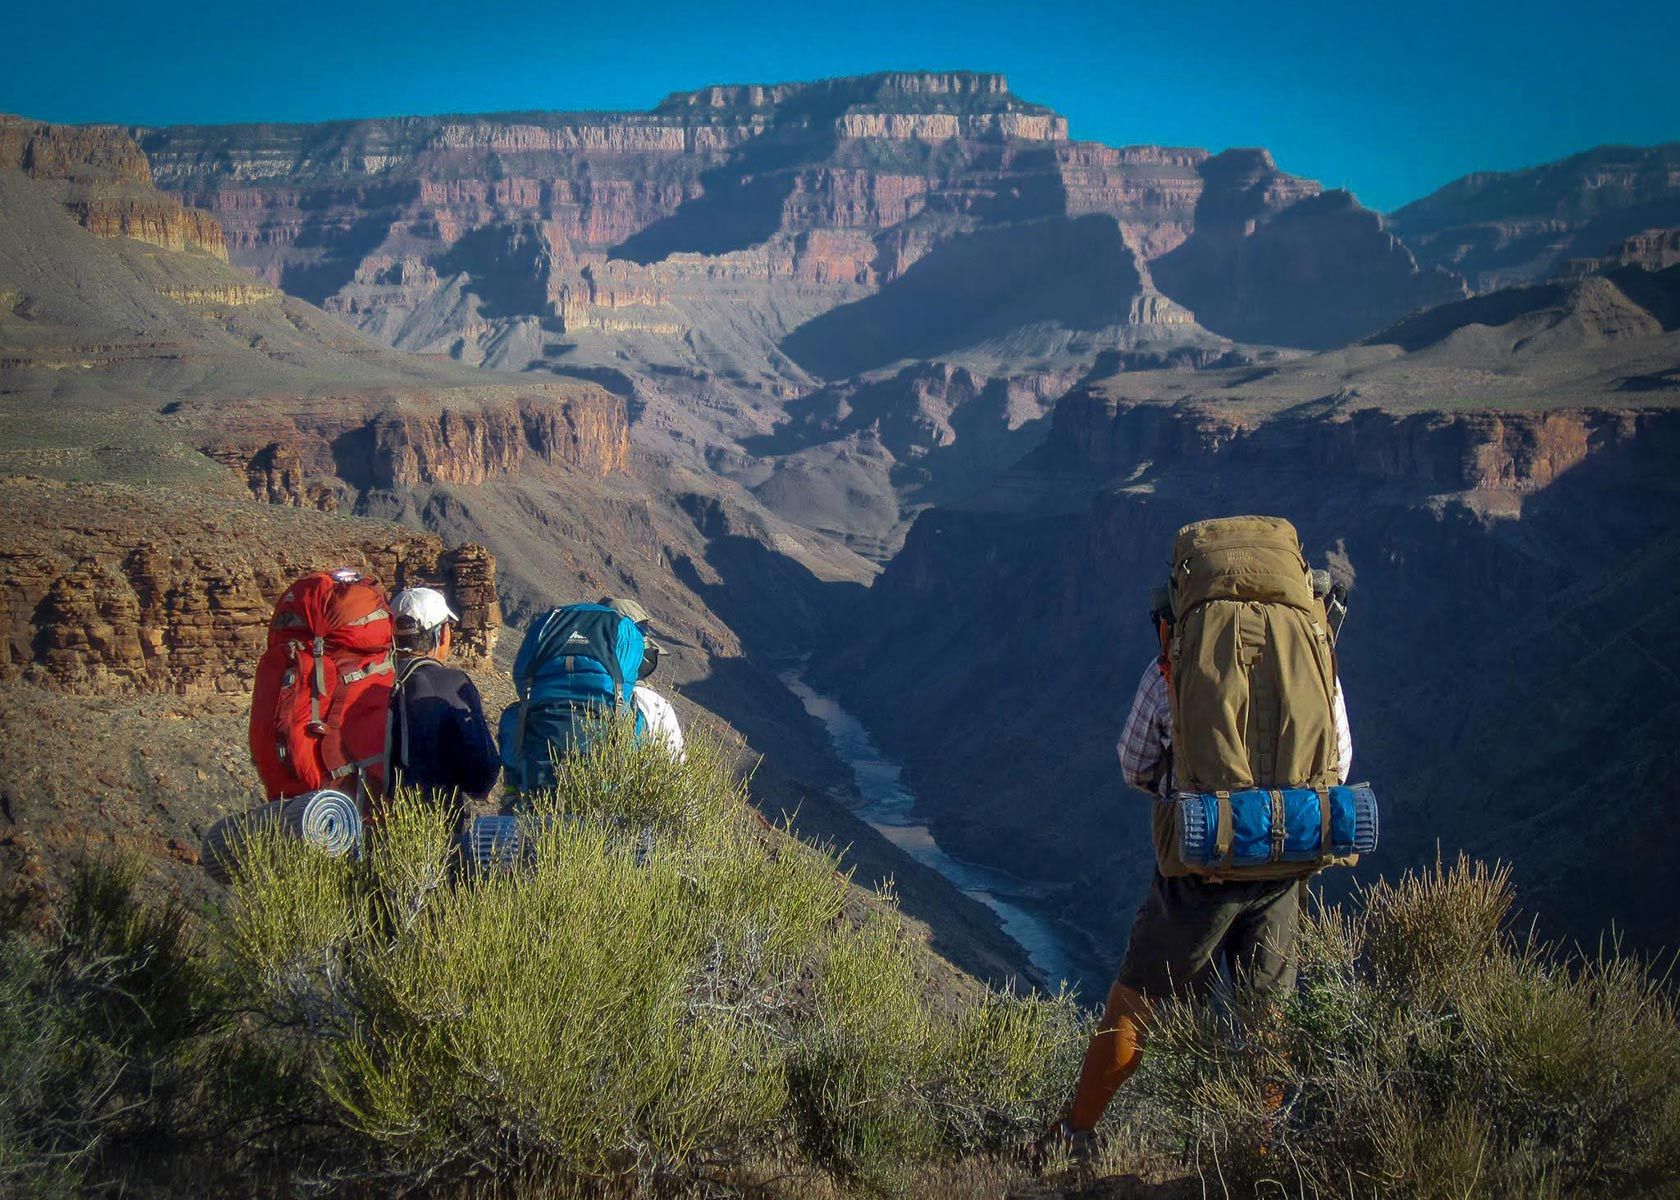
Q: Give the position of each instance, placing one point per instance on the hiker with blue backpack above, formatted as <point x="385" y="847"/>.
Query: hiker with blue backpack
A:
<point x="1239" y="732"/>
<point x="578" y="664"/>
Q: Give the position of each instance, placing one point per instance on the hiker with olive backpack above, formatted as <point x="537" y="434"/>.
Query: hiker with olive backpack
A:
<point x="1240" y="732"/>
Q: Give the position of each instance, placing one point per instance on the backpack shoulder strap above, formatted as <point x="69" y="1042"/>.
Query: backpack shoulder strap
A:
<point x="407" y="670"/>
<point x="398" y="750"/>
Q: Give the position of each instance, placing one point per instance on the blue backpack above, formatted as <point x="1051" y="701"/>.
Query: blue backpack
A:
<point x="576" y="664"/>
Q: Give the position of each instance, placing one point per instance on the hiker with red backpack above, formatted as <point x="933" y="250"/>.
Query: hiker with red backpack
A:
<point x="440" y="744"/>
<point x="1240" y="733"/>
<point x="322" y="693"/>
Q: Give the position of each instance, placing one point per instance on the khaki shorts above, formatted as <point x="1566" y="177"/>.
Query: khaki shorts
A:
<point x="1186" y="924"/>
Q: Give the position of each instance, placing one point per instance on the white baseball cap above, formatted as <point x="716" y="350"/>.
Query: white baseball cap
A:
<point x="421" y="608"/>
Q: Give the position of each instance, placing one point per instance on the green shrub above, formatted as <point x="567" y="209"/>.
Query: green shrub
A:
<point x="116" y="1042"/>
<point x="1429" y="1053"/>
<point x="667" y="991"/>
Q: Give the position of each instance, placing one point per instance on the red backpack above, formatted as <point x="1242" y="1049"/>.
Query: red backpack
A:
<point x="318" y="710"/>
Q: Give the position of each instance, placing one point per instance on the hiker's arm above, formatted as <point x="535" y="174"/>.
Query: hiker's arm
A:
<point x="477" y="761"/>
<point x="1344" y="737"/>
<point x="1144" y="745"/>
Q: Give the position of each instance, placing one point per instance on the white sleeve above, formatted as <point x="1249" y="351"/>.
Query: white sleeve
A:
<point x="661" y="719"/>
<point x="1344" y="738"/>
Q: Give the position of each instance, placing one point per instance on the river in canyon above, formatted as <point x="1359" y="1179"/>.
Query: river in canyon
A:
<point x="1058" y="952"/>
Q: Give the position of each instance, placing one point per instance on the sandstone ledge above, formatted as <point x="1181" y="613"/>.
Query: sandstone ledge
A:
<point x="107" y="589"/>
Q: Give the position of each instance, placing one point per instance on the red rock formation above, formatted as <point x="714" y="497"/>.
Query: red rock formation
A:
<point x="108" y="589"/>
<point x="300" y="454"/>
<point x="106" y="183"/>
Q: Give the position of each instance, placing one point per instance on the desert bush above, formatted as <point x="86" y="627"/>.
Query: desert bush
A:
<point x="116" y="1042"/>
<point x="667" y="990"/>
<point x="1428" y="1052"/>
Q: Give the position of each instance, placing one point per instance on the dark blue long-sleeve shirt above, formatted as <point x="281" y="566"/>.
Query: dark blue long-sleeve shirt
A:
<point x="440" y="742"/>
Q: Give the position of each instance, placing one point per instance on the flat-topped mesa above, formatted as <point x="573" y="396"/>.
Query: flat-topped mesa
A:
<point x="882" y="89"/>
<point x="928" y="106"/>
<point x="104" y="180"/>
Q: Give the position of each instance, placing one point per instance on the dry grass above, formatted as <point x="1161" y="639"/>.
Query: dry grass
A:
<point x="1428" y="1053"/>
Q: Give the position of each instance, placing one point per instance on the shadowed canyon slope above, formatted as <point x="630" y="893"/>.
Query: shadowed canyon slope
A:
<point x="1495" y="478"/>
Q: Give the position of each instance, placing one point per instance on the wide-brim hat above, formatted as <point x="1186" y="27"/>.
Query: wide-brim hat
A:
<point x="625" y="606"/>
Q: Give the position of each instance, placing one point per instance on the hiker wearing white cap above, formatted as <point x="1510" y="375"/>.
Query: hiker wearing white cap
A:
<point x="658" y="714"/>
<point x="440" y="743"/>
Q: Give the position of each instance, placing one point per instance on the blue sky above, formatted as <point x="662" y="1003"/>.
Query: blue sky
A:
<point x="1388" y="100"/>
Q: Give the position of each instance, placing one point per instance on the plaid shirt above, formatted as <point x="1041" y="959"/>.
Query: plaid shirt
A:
<point x="1145" y="745"/>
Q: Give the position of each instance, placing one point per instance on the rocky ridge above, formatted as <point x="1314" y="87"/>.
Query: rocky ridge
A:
<point x="107" y="589"/>
<point x="1499" y="228"/>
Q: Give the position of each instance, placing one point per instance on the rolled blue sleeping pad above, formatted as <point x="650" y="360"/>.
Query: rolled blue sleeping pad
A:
<point x="490" y="843"/>
<point x="503" y="842"/>
<point x="1353" y="825"/>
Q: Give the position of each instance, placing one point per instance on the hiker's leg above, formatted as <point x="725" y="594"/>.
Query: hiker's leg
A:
<point x="1111" y="1057"/>
<point x="1261" y="948"/>
<point x="1261" y="942"/>
<point x="1174" y="936"/>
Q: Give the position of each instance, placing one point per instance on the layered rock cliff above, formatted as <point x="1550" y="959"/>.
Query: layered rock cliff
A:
<point x="835" y="185"/>
<point x="1649" y="250"/>
<point x="1428" y="452"/>
<point x="104" y="179"/>
<point x="107" y="589"/>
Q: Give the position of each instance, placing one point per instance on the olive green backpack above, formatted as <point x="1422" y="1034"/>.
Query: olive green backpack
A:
<point x="1251" y="672"/>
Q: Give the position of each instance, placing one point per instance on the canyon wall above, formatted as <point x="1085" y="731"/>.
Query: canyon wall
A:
<point x="104" y="179"/>
<point x="107" y="589"/>
<point x="838" y="184"/>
